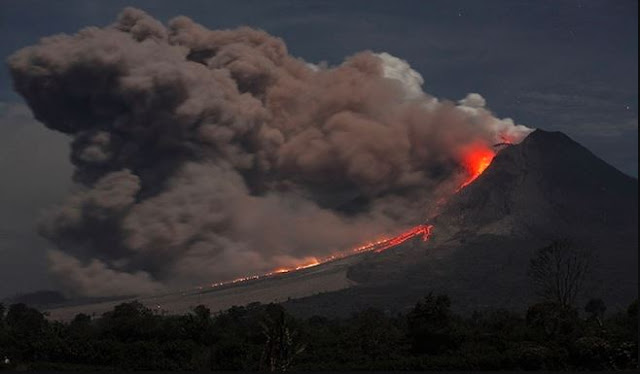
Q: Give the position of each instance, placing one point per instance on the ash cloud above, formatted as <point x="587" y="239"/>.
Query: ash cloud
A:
<point x="210" y="154"/>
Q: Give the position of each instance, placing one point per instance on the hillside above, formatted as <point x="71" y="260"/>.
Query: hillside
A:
<point x="545" y="188"/>
<point x="548" y="187"/>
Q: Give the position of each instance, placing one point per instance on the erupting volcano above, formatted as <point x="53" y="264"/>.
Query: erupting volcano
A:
<point x="476" y="160"/>
<point x="376" y="246"/>
<point x="485" y="236"/>
<point x="204" y="155"/>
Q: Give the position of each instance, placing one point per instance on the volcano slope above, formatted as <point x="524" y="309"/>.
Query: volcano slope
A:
<point x="547" y="187"/>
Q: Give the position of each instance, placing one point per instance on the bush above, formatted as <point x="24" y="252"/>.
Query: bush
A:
<point x="431" y="326"/>
<point x="429" y="337"/>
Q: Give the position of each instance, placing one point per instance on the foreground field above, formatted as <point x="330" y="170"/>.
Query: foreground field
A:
<point x="277" y="288"/>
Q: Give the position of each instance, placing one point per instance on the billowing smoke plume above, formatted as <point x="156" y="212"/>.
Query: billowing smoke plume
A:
<point x="209" y="154"/>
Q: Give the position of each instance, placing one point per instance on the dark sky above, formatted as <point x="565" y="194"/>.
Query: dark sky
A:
<point x="559" y="65"/>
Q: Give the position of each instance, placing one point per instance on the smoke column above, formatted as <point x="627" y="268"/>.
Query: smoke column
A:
<point x="204" y="155"/>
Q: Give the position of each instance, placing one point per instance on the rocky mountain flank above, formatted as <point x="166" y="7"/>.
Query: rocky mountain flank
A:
<point x="547" y="187"/>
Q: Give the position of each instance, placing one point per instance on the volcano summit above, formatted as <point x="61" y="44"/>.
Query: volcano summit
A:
<point x="479" y="245"/>
<point x="548" y="187"/>
<point x="203" y="156"/>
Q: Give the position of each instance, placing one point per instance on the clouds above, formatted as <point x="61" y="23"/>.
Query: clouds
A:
<point x="97" y="279"/>
<point x="209" y="154"/>
<point x="400" y="71"/>
<point x="473" y="100"/>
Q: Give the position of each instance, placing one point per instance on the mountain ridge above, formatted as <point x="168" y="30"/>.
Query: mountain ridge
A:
<point x="547" y="187"/>
<point x="480" y="247"/>
<point x="546" y="177"/>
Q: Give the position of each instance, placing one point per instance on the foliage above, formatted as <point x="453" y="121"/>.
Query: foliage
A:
<point x="595" y="308"/>
<point x="550" y="336"/>
<point x="431" y="326"/>
<point x="559" y="271"/>
<point x="281" y="346"/>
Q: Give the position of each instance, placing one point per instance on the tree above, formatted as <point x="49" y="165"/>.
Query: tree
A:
<point x="202" y="312"/>
<point x="552" y="321"/>
<point x="2" y="324"/>
<point x="199" y="325"/>
<point x="26" y="331"/>
<point x="376" y="337"/>
<point x="431" y="327"/>
<point x="559" y="270"/>
<point x="281" y="345"/>
<point x="129" y="321"/>
<point x="596" y="308"/>
<point x="632" y="314"/>
<point x="25" y="320"/>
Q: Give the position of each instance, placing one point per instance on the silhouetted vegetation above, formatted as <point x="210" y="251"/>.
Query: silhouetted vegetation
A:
<point x="265" y="337"/>
<point x="559" y="271"/>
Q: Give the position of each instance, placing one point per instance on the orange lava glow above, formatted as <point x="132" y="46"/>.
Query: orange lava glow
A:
<point x="313" y="263"/>
<point x="476" y="160"/>
<point x="382" y="245"/>
<point x="376" y="246"/>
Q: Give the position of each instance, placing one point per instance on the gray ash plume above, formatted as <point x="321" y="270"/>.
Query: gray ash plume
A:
<point x="208" y="154"/>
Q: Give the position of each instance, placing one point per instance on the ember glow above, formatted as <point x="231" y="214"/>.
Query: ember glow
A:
<point x="422" y="230"/>
<point x="376" y="246"/>
<point x="312" y="263"/>
<point x="476" y="160"/>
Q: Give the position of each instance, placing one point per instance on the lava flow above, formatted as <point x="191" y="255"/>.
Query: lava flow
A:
<point x="376" y="246"/>
<point x="475" y="160"/>
<point x="384" y="244"/>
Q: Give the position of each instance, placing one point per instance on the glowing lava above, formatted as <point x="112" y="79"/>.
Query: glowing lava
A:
<point x="384" y="244"/>
<point x="376" y="246"/>
<point x="476" y="160"/>
<point x="310" y="264"/>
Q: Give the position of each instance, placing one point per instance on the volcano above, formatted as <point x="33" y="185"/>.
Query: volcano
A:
<point x="476" y="250"/>
<point x="547" y="187"/>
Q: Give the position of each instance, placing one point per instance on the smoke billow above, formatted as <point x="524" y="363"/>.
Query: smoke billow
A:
<point x="209" y="154"/>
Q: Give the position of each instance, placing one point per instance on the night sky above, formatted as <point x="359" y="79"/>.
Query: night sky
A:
<point x="558" y="65"/>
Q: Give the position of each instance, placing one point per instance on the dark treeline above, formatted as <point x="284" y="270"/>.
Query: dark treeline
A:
<point x="266" y="337"/>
